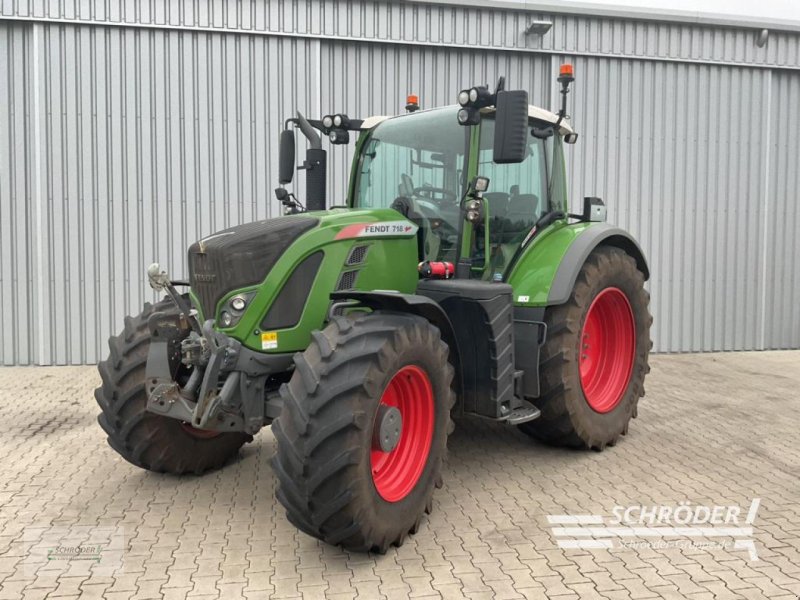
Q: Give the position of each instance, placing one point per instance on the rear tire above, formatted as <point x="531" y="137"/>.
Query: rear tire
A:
<point x="147" y="440"/>
<point x="587" y="405"/>
<point x="333" y="481"/>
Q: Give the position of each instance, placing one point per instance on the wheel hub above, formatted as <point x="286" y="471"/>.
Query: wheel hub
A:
<point x="388" y="427"/>
<point x="402" y="433"/>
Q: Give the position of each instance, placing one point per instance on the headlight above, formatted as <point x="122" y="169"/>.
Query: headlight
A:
<point x="339" y="136"/>
<point x="234" y="308"/>
<point x="341" y="121"/>
<point x="463" y="97"/>
<point x="468" y="116"/>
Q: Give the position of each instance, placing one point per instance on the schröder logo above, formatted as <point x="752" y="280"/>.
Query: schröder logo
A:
<point x="636" y="526"/>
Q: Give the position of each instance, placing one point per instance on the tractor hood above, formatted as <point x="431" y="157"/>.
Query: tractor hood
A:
<point x="241" y="256"/>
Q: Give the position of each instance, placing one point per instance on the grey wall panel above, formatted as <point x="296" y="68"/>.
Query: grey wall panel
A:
<point x="677" y="152"/>
<point x="122" y="145"/>
<point x="781" y="254"/>
<point x="419" y="23"/>
<point x="17" y="221"/>
<point x="150" y="140"/>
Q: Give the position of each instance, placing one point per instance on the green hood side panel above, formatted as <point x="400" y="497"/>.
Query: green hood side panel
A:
<point x="534" y="272"/>
<point x="390" y="264"/>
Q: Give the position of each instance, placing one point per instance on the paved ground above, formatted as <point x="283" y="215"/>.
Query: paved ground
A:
<point x="713" y="429"/>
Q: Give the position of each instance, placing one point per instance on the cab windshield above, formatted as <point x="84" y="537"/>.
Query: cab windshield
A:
<point x="416" y="165"/>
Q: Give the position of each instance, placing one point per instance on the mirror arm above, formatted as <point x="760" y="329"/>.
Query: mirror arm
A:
<point x="563" y="110"/>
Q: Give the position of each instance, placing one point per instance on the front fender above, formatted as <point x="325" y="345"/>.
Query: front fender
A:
<point x="546" y="272"/>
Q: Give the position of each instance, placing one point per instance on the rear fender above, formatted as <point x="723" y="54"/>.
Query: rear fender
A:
<point x="600" y="234"/>
<point x="546" y="272"/>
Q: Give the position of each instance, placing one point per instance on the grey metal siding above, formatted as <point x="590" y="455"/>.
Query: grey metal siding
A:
<point x="17" y="220"/>
<point x="677" y="151"/>
<point x="130" y="129"/>
<point x="141" y="142"/>
<point x="780" y="264"/>
<point x="431" y="24"/>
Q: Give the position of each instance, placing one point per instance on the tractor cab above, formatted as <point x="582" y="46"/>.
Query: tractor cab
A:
<point x="422" y="165"/>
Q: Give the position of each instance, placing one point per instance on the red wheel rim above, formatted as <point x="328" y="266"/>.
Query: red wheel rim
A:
<point x="202" y="434"/>
<point x="608" y="343"/>
<point x="395" y="473"/>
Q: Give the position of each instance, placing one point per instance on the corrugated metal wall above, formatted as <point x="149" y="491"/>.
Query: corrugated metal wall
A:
<point x="124" y="141"/>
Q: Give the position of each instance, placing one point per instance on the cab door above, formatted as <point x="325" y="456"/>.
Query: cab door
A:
<point x="517" y="197"/>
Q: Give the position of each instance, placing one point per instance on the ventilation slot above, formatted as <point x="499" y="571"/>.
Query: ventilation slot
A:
<point x="357" y="255"/>
<point x="347" y="280"/>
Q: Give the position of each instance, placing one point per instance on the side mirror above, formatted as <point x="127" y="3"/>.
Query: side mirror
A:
<point x="511" y="127"/>
<point x="286" y="157"/>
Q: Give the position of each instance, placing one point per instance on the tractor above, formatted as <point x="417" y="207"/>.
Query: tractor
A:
<point x="451" y="282"/>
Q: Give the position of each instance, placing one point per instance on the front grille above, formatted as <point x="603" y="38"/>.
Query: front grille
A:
<point x="240" y="256"/>
<point x="347" y="281"/>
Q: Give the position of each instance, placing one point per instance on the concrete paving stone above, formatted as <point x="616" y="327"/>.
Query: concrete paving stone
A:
<point x="231" y="590"/>
<point x="449" y="591"/>
<point x="114" y="595"/>
<point x="176" y="593"/>
<point x="11" y="590"/>
<point x="766" y="585"/>
<point x="319" y="592"/>
<point x="223" y="535"/>
<point x="395" y="593"/>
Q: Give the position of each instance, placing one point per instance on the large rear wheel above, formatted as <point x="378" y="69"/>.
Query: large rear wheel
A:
<point x="595" y="358"/>
<point x="363" y="430"/>
<point x="143" y="438"/>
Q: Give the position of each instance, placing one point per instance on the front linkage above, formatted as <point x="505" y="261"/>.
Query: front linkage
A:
<point x="226" y="387"/>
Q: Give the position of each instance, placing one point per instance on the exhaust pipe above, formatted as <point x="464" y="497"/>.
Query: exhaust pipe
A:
<point x="316" y="166"/>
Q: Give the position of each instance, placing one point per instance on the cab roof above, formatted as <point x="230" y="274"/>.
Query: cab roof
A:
<point x="534" y="112"/>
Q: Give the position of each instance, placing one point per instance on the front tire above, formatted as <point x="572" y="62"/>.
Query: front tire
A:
<point x="147" y="440"/>
<point x="339" y="480"/>
<point x="595" y="358"/>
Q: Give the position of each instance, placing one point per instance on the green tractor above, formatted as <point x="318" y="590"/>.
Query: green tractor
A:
<point x="452" y="282"/>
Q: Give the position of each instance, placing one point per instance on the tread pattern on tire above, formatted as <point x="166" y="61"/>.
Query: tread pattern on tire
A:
<point x="563" y="422"/>
<point x="319" y="433"/>
<point x="150" y="441"/>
